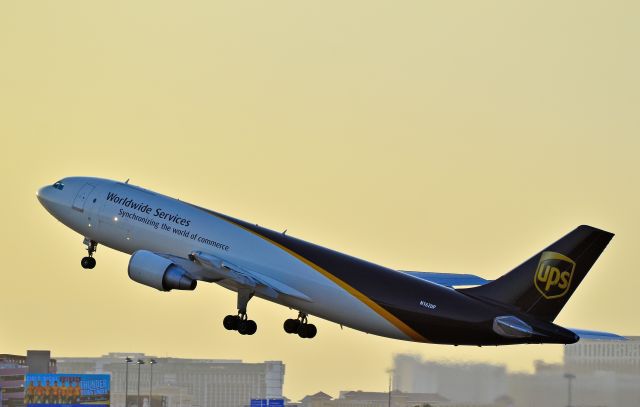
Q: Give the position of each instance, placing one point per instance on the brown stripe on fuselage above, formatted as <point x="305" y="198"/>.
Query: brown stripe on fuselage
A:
<point x="280" y="240"/>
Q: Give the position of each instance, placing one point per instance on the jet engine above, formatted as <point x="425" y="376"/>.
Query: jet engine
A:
<point x="155" y="271"/>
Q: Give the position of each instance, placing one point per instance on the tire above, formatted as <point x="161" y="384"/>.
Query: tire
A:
<point x="291" y="326"/>
<point x="230" y="322"/>
<point x="247" y="327"/>
<point x="302" y="331"/>
<point x="251" y="327"/>
<point x="85" y="262"/>
<point x="310" y="331"/>
<point x="92" y="262"/>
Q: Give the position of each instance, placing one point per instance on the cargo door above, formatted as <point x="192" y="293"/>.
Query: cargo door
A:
<point x="81" y="198"/>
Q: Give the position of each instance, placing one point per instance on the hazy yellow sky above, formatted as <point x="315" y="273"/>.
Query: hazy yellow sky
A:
<point x="454" y="136"/>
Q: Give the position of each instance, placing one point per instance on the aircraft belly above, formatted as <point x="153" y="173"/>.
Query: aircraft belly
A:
<point x="328" y="300"/>
<point x="335" y="304"/>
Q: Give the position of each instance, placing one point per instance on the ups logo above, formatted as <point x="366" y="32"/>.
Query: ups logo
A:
<point x="553" y="276"/>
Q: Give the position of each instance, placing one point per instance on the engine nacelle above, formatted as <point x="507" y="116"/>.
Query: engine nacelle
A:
<point x="148" y="268"/>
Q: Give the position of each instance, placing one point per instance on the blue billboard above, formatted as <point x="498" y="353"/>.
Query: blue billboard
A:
<point x="67" y="390"/>
<point x="267" y="403"/>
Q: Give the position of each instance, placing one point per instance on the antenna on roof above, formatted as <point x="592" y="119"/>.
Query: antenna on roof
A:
<point x="127" y="181"/>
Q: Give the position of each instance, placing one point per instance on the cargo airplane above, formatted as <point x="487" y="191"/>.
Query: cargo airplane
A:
<point x="174" y="244"/>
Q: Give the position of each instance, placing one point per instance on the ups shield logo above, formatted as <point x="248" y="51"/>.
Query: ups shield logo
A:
<point x="554" y="274"/>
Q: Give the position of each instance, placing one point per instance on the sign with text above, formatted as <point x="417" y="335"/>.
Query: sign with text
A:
<point x="67" y="390"/>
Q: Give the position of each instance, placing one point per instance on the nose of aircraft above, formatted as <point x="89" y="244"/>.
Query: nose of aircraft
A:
<point x="54" y="199"/>
<point x="45" y="195"/>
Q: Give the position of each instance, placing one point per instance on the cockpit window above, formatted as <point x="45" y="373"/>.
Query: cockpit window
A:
<point x="59" y="185"/>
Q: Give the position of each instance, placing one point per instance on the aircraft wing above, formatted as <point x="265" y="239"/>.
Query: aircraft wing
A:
<point x="449" y="279"/>
<point x="597" y="336"/>
<point x="245" y="277"/>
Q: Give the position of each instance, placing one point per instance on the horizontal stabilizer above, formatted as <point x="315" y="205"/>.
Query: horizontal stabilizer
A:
<point x="449" y="279"/>
<point x="597" y="336"/>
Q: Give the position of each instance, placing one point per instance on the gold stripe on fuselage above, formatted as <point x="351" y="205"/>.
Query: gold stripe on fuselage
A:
<point x="395" y="321"/>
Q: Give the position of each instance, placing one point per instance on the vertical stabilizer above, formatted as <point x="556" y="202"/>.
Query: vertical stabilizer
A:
<point x="542" y="285"/>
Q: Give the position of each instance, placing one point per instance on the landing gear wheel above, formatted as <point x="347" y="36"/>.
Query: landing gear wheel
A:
<point x="291" y="326"/>
<point x="88" y="262"/>
<point x="247" y="327"/>
<point x="310" y="331"/>
<point x="230" y="322"/>
<point x="240" y="322"/>
<point x="307" y="331"/>
<point x="300" y="326"/>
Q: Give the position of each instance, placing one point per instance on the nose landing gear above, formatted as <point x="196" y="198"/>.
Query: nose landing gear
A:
<point x="300" y="326"/>
<point x="89" y="262"/>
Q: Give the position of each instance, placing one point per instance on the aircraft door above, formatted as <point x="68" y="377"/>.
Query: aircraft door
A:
<point x="91" y="208"/>
<point x="81" y="198"/>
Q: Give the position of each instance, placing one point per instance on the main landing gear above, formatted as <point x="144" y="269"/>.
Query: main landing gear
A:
<point x="89" y="261"/>
<point x="246" y="326"/>
<point x="241" y="322"/>
<point x="300" y="326"/>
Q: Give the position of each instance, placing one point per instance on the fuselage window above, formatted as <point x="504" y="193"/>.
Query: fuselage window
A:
<point x="58" y="185"/>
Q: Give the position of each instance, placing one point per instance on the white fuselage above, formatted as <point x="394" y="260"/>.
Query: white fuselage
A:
<point x="129" y="218"/>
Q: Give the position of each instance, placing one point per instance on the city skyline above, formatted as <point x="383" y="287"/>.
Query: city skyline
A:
<point x="603" y="372"/>
<point x="455" y="138"/>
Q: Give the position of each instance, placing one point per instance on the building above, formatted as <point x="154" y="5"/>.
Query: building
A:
<point x="609" y="356"/>
<point x="178" y="396"/>
<point x="13" y="369"/>
<point x="479" y="383"/>
<point x="549" y="387"/>
<point x="604" y="373"/>
<point x="317" y="399"/>
<point x="373" y="399"/>
<point x="201" y="382"/>
<point x="396" y="398"/>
